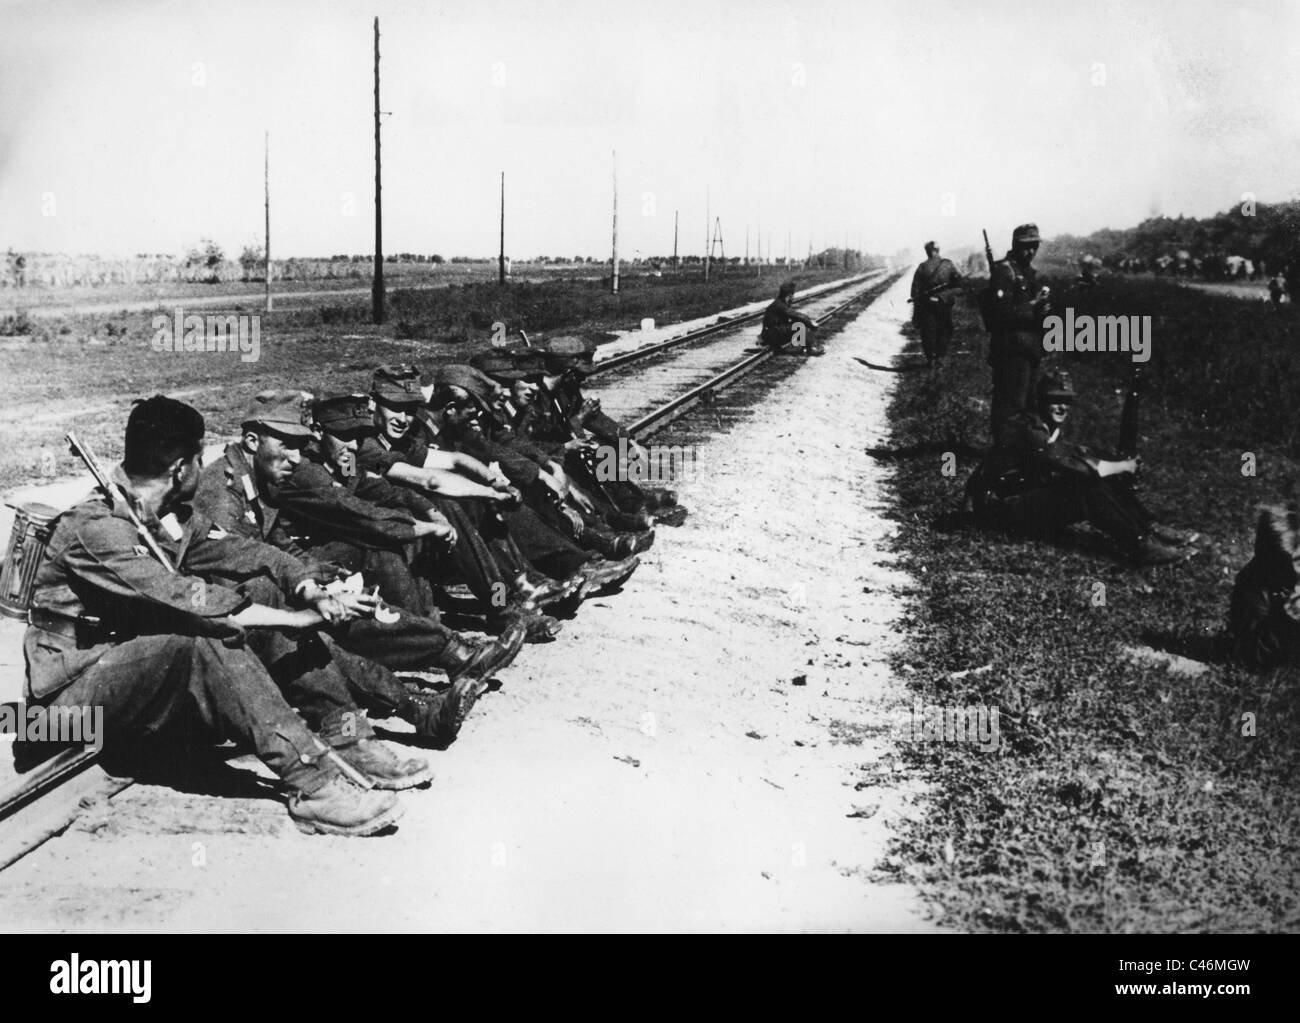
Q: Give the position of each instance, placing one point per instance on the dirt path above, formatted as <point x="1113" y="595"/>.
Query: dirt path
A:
<point x="682" y="758"/>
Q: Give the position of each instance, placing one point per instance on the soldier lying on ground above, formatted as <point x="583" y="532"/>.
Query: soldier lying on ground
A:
<point x="168" y="654"/>
<point x="265" y="489"/>
<point x="1264" y="616"/>
<point x="780" y="320"/>
<point x="1036" y="483"/>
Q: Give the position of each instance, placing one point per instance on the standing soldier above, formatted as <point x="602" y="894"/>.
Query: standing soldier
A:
<point x="932" y="300"/>
<point x="1276" y="289"/>
<point x="779" y="321"/>
<point x="1013" y="313"/>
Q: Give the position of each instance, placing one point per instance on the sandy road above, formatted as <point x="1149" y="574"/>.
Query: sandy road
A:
<point x="682" y="758"/>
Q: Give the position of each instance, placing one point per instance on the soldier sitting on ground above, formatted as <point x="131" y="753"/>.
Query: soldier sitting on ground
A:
<point x="124" y="616"/>
<point x="779" y="323"/>
<point x="1035" y="483"/>
<point x="1264" y="616"/>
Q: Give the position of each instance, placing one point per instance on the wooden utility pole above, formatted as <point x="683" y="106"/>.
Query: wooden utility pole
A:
<point x="746" y="245"/>
<point x="759" y="246"/>
<point x="266" y="183"/>
<point x="708" y="232"/>
<point x="377" y="288"/>
<point x="614" y="279"/>
<point x="676" y="263"/>
<point x="501" y="259"/>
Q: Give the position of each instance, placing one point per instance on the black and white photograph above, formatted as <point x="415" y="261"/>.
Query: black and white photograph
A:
<point x="712" y="467"/>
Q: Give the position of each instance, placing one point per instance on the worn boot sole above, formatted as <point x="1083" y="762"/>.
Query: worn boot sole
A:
<point x="385" y="820"/>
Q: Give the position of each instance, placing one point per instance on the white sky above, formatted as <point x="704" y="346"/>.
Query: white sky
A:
<point x="818" y="118"/>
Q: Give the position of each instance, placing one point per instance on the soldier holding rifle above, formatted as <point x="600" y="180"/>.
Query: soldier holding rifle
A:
<point x="932" y="300"/>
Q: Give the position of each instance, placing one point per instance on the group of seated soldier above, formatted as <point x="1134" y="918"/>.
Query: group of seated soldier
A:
<point x="270" y="597"/>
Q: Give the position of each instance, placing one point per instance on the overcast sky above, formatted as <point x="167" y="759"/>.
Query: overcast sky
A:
<point x="137" y="126"/>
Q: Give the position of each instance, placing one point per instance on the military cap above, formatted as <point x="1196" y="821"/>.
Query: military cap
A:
<point x="343" y="413"/>
<point x="479" y="386"/>
<point x="788" y="288"/>
<point x="1055" y="386"/>
<point x="1025" y="234"/>
<point x="930" y="248"/>
<point x="397" y="384"/>
<point x="509" y="364"/>
<point x="567" y="352"/>
<point x="282" y="412"/>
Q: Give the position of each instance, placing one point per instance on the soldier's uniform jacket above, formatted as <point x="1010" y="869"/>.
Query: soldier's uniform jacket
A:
<point x="1029" y="454"/>
<point x="933" y="273"/>
<point x="229" y="496"/>
<point x="100" y="585"/>
<point x="324" y="503"/>
<point x="1016" y="328"/>
<point x="778" y="321"/>
<point x="377" y="453"/>
<point x="1262" y="616"/>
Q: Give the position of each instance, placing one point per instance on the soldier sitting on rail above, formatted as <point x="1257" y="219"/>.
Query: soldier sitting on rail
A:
<point x="461" y="414"/>
<point x="1264" y="615"/>
<point x="473" y="498"/>
<point x="130" y="621"/>
<point x="559" y="417"/>
<point x="276" y="486"/>
<point x="1035" y="483"/>
<point x="783" y="323"/>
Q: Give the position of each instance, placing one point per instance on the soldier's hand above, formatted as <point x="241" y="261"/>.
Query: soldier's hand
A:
<point x="333" y="610"/>
<point x="358" y="605"/>
<point x="439" y="528"/>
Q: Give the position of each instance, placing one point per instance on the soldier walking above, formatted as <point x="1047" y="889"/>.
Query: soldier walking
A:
<point x="932" y="300"/>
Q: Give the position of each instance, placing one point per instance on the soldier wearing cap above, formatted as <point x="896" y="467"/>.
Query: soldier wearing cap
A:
<point x="779" y="323"/>
<point x="1036" y="483"/>
<point x="404" y="450"/>
<point x="579" y="423"/>
<point x="178" y="627"/>
<point x="932" y="300"/>
<point x="1014" y="315"/>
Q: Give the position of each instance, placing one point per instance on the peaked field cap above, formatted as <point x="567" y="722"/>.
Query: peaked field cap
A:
<point x="509" y="364"/>
<point x="1025" y="233"/>
<point x="284" y="412"/>
<point x="467" y="378"/>
<point x="343" y="413"/>
<point x="398" y="383"/>
<point x="1056" y="385"/>
<point x="569" y="352"/>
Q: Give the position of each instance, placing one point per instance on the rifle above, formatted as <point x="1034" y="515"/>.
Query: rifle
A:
<point x="936" y="288"/>
<point x="114" y="494"/>
<point x="988" y="249"/>
<point x="109" y="490"/>
<point x="1128" y="419"/>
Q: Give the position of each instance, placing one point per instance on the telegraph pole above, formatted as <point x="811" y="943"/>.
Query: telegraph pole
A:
<point x="266" y="182"/>
<point x="615" y="257"/>
<point x="708" y="234"/>
<point x="676" y="263"/>
<point x="377" y="288"/>
<point x="501" y="259"/>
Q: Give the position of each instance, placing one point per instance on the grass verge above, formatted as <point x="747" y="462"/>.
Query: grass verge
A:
<point x="1131" y="791"/>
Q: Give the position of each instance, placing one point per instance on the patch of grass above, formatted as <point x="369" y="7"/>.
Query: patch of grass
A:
<point x="1125" y="797"/>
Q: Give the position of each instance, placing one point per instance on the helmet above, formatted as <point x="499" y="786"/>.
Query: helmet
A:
<point x="1055" y="387"/>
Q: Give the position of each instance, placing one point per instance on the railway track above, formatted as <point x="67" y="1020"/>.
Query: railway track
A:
<point x="657" y="386"/>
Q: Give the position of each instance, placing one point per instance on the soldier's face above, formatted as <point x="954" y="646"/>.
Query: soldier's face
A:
<point x="1025" y="252"/>
<point x="524" y="393"/>
<point x="1057" y="412"/>
<point x="337" y="450"/>
<point x="393" y="421"/>
<point x="275" y="459"/>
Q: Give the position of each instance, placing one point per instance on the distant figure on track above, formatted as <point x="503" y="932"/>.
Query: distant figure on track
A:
<point x="1013" y="314"/>
<point x="932" y="300"/>
<point x="783" y="323"/>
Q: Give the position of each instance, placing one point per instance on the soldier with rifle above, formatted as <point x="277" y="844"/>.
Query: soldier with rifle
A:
<point x="1013" y="307"/>
<point x="932" y="300"/>
<point x="1035" y="483"/>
